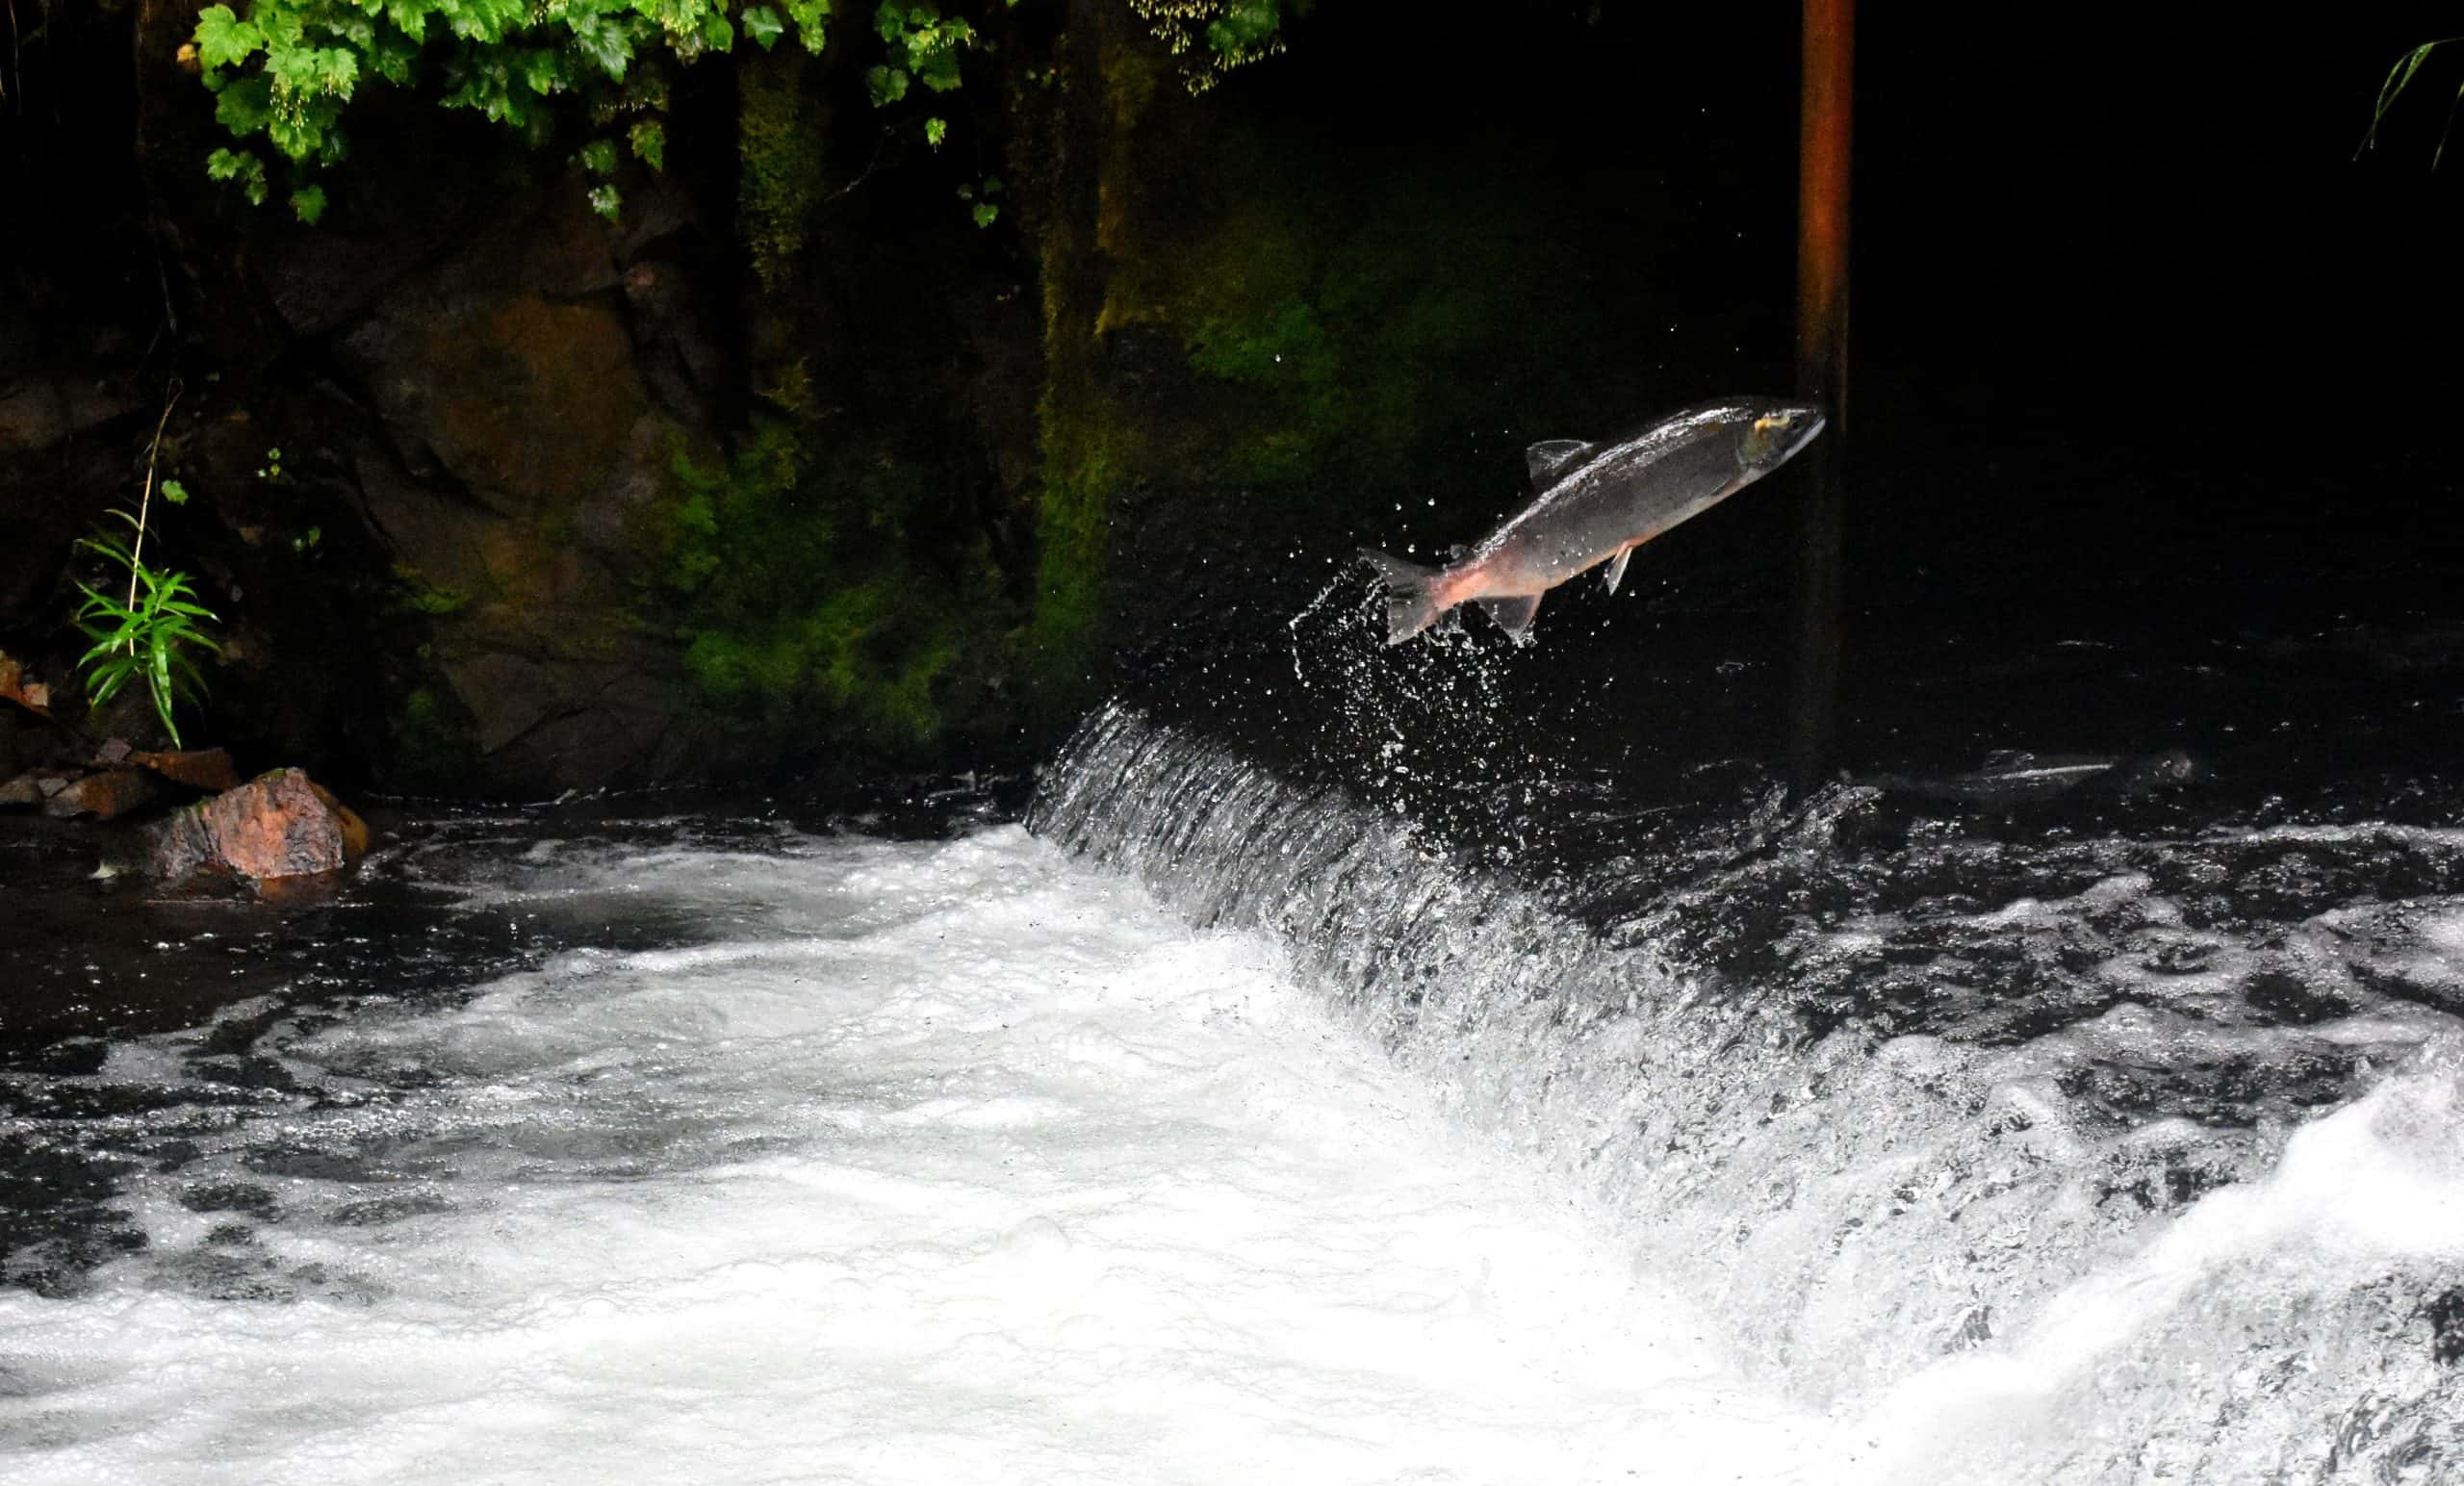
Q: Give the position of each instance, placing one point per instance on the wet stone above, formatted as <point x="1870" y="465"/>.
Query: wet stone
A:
<point x="376" y="1212"/>
<point x="257" y="1203"/>
<point x="2446" y="1318"/>
<point x="34" y="696"/>
<point x="229" y="1275"/>
<point x="210" y="769"/>
<point x="106" y="796"/>
<point x="312" y="1165"/>
<point x="278" y="831"/>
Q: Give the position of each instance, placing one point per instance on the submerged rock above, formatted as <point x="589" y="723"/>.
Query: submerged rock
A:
<point x="279" y="832"/>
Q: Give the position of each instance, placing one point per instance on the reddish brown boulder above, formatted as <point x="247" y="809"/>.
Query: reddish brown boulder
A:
<point x="277" y="832"/>
<point x="34" y="696"/>
<point x="106" y="796"/>
<point x="208" y="769"/>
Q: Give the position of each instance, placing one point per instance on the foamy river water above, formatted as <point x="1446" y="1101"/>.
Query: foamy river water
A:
<point x="929" y="1162"/>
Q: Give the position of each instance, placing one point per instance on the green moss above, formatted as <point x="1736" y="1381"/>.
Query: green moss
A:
<point x="1327" y="344"/>
<point x="779" y="156"/>
<point x="1335" y="326"/>
<point x="1086" y="454"/>
<point x="422" y="597"/>
<point x="911" y="703"/>
<point x="1354" y="324"/>
<point x="432" y="748"/>
<point x="1082" y="460"/>
<point x="1318" y="336"/>
<point x="813" y="593"/>
<point x="1284" y="346"/>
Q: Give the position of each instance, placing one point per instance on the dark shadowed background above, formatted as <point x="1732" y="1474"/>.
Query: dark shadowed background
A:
<point x="2134" y="332"/>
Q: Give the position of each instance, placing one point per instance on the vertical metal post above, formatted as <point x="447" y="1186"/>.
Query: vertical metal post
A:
<point x="1823" y="137"/>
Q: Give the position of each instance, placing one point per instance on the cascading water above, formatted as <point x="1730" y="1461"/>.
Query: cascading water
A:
<point x="2059" y="1122"/>
<point x="2120" y="1143"/>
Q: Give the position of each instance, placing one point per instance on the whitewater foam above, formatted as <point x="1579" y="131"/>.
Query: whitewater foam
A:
<point x="932" y="1163"/>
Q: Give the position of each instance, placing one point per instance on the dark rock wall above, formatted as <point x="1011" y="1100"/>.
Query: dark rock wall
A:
<point x="795" y="468"/>
<point x="419" y="439"/>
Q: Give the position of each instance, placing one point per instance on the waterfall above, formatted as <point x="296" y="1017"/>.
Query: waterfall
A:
<point x="2118" y="1150"/>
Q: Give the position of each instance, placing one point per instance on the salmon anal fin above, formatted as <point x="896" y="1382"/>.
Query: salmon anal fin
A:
<point x="1513" y="616"/>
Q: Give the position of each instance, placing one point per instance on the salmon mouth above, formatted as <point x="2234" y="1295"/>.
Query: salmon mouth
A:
<point x="1798" y="427"/>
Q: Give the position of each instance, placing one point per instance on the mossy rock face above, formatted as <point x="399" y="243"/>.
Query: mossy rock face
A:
<point x="1296" y="318"/>
<point x="524" y="397"/>
<point x="1291" y="339"/>
<point x="1241" y="335"/>
<point x="827" y="597"/>
<point x="523" y="446"/>
<point x="430" y="745"/>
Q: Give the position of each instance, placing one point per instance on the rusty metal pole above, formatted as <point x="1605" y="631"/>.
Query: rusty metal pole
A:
<point x="1823" y="134"/>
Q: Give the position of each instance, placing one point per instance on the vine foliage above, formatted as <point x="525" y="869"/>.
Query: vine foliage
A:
<point x="284" y="72"/>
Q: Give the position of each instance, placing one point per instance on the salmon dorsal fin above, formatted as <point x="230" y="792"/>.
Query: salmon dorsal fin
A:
<point x="1553" y="457"/>
<point x="1513" y="616"/>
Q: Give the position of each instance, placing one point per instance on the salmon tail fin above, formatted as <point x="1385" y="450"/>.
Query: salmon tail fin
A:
<point x="1410" y="604"/>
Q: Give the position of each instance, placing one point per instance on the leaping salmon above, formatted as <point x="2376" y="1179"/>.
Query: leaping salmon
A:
<point x="1594" y="503"/>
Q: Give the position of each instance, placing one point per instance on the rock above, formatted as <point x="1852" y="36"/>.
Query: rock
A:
<point x="356" y="838"/>
<point x="33" y="416"/>
<point x="106" y="796"/>
<point x="112" y="751"/>
<point x="527" y="403"/>
<point x="24" y="789"/>
<point x="38" y="412"/>
<point x="91" y="405"/>
<point x="278" y="832"/>
<point x="34" y="696"/>
<point x="208" y="769"/>
<point x="128" y="716"/>
<point x="526" y="556"/>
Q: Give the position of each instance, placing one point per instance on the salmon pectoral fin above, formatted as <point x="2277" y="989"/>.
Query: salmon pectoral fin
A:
<point x="1617" y="567"/>
<point x="1513" y="616"/>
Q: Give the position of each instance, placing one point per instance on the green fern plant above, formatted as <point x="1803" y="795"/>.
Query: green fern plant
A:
<point x="151" y="634"/>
